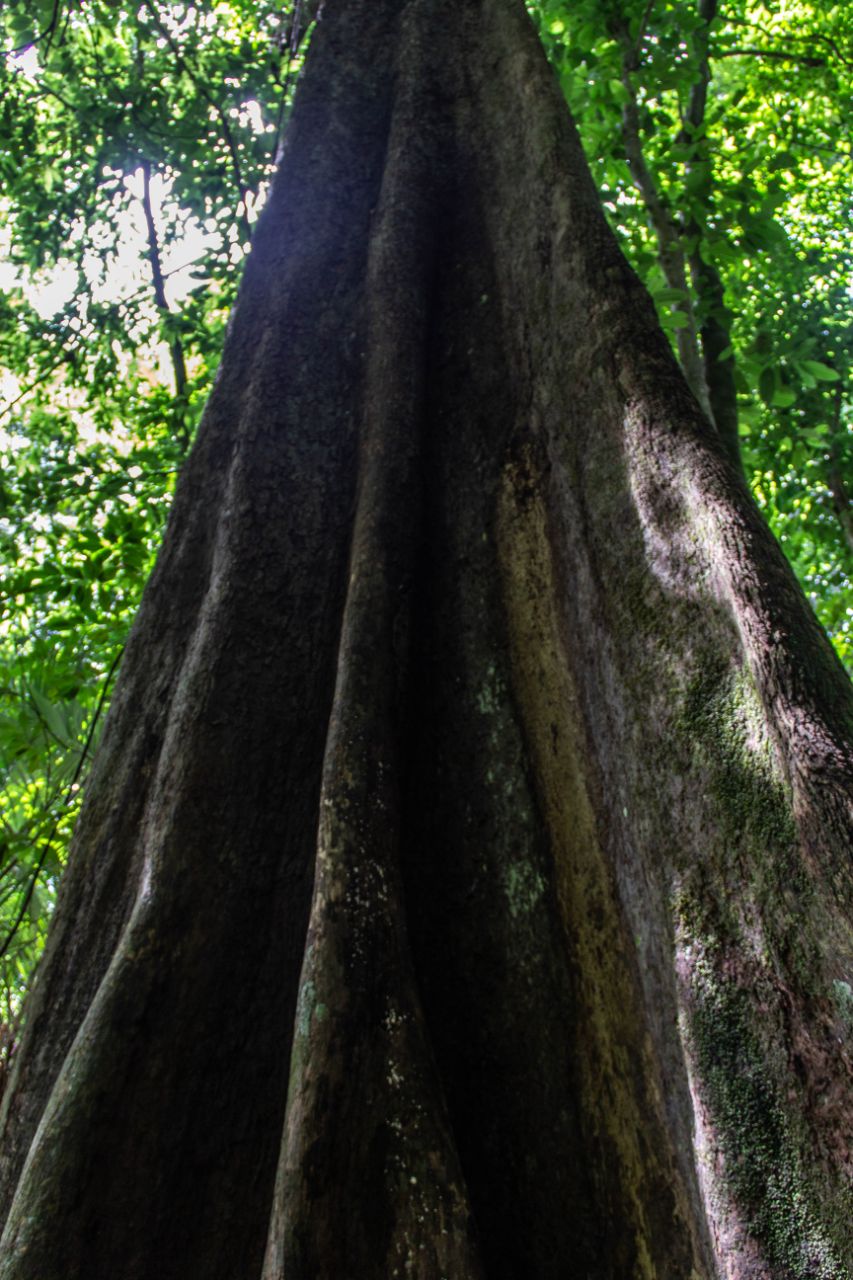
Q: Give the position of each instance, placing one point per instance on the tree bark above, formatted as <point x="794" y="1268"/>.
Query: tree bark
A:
<point x="463" y="887"/>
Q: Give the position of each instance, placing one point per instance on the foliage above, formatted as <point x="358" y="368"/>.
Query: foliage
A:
<point x="135" y="145"/>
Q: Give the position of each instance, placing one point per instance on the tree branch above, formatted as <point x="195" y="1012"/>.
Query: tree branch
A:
<point x="176" y="348"/>
<point x="810" y="38"/>
<point x="807" y="60"/>
<point x="48" y="32"/>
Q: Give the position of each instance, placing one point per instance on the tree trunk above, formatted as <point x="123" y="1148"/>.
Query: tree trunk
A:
<point x="463" y="888"/>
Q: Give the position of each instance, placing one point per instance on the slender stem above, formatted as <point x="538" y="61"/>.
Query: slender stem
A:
<point x="176" y="348"/>
<point x="781" y="55"/>
<point x="48" y="32"/>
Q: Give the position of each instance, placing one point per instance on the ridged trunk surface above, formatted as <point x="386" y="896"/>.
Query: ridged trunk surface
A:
<point x="464" y="885"/>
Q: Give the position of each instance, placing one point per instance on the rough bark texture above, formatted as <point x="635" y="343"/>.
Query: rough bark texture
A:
<point x="464" y="886"/>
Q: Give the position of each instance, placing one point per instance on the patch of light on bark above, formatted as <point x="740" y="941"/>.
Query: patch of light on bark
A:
<point x="672" y="547"/>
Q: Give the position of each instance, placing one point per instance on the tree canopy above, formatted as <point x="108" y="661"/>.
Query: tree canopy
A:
<point x="136" y="145"/>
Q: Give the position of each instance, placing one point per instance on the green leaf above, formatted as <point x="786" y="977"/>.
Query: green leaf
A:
<point x="822" y="372"/>
<point x="51" y="715"/>
<point x="669" y="295"/>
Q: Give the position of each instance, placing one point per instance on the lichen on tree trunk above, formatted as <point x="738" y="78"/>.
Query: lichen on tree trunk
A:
<point x="464" y="884"/>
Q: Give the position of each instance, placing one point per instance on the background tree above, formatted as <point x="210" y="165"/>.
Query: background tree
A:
<point x="457" y="565"/>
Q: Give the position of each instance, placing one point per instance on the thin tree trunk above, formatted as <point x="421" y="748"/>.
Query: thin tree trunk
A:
<point x="463" y="888"/>
<point x="176" y="347"/>
<point x="671" y="255"/>
<point x="714" y="329"/>
<point x="717" y="354"/>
